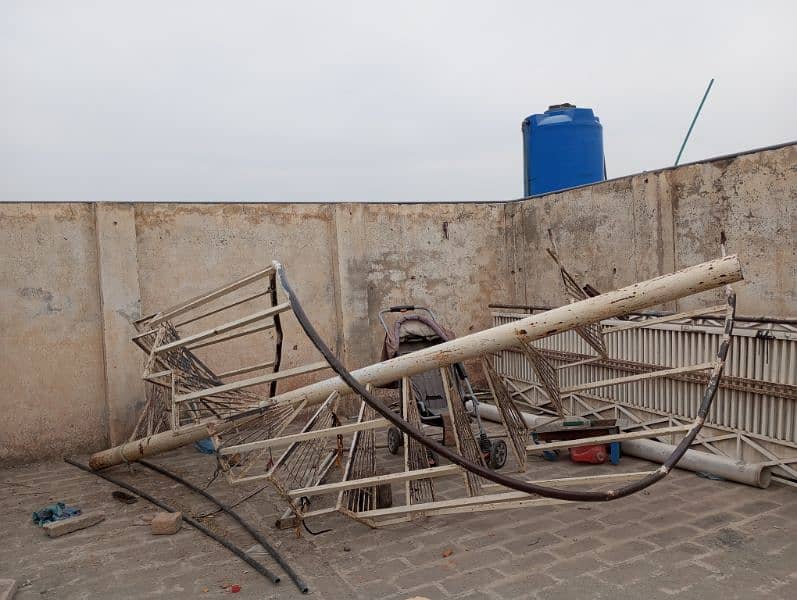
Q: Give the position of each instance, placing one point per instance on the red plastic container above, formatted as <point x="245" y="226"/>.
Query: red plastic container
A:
<point x="596" y="455"/>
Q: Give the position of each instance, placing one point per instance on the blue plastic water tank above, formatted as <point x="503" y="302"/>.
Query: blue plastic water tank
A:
<point x="562" y="148"/>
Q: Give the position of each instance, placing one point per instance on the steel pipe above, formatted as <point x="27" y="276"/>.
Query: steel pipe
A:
<point x="756" y="474"/>
<point x="244" y="556"/>
<point x="692" y="280"/>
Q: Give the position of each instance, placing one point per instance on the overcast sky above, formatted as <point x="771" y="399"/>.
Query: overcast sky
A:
<point x="369" y="101"/>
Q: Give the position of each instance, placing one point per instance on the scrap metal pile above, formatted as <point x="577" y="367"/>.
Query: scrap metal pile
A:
<point x="319" y="463"/>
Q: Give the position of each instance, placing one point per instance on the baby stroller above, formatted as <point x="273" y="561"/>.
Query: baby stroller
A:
<point x="417" y="327"/>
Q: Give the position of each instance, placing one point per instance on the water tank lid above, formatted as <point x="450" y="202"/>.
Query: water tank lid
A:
<point x="561" y="106"/>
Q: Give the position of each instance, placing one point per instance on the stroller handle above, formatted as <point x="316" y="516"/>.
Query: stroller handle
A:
<point x="401" y="308"/>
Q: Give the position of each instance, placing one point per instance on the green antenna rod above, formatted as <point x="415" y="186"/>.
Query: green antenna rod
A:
<point x="697" y="114"/>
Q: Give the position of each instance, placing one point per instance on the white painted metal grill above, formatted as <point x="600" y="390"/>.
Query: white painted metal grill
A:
<point x="759" y="353"/>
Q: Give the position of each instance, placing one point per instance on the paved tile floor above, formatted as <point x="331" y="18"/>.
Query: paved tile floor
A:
<point x="686" y="537"/>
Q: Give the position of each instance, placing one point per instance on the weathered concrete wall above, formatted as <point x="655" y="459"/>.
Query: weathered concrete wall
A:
<point x="185" y="249"/>
<point x="451" y="258"/>
<point x="346" y="262"/>
<point x="753" y="199"/>
<point x="120" y="298"/>
<point x="52" y="385"/>
<point x="74" y="275"/>
<point x="619" y="231"/>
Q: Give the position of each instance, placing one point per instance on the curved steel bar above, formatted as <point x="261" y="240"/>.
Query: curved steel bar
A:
<point x="511" y="482"/>
<point x="228" y="510"/>
<point x="243" y="555"/>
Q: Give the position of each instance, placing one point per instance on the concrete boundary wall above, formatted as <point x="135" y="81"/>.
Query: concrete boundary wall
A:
<point x="634" y="228"/>
<point x="74" y="275"/>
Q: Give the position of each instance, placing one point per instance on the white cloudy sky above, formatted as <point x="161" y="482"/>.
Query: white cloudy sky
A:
<point x="369" y="101"/>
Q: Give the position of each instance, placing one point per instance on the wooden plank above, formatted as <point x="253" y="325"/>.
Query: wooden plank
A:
<point x="605" y="439"/>
<point x="351" y="484"/>
<point x="249" y="369"/>
<point x="197" y="301"/>
<point x="252" y="381"/>
<point x="721" y="308"/>
<point x="638" y="377"/>
<point x="224" y="328"/>
<point x="59" y="528"/>
<point x="306" y="435"/>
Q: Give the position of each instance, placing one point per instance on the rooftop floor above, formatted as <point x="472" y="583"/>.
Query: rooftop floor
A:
<point x="686" y="537"/>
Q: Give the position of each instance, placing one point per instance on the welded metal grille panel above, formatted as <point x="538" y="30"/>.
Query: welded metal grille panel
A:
<point x="756" y="354"/>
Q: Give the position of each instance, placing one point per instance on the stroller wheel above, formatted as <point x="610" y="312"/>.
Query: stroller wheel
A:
<point x="497" y="454"/>
<point x="384" y="496"/>
<point x="394" y="440"/>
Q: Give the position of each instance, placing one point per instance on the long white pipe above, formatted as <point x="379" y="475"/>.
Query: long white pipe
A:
<point x="755" y="474"/>
<point x="692" y="280"/>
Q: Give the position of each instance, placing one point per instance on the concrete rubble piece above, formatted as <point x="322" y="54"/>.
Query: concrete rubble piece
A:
<point x="76" y="523"/>
<point x="165" y="523"/>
